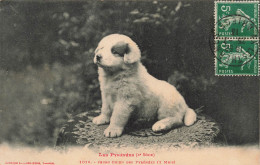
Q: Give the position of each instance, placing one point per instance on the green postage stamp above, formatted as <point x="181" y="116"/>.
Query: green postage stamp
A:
<point x="237" y="38"/>
<point x="236" y="19"/>
<point x="237" y="57"/>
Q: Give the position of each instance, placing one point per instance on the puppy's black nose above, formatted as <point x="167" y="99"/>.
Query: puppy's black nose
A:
<point x="98" y="57"/>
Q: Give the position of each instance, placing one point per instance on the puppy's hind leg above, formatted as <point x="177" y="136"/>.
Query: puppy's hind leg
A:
<point x="190" y="117"/>
<point x="167" y="123"/>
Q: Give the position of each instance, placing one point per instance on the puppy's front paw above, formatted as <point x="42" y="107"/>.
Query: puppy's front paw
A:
<point x="101" y="119"/>
<point x="113" y="131"/>
<point x="159" y="126"/>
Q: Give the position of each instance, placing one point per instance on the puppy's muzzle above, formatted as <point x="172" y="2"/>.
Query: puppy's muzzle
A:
<point x="98" y="57"/>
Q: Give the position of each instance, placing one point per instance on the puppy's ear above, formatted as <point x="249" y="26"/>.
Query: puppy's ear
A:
<point x="128" y="50"/>
<point x="133" y="54"/>
<point x="120" y="48"/>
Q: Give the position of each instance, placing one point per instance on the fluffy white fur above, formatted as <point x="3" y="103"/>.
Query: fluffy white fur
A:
<point x="128" y="90"/>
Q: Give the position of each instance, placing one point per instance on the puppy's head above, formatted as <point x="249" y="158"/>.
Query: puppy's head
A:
<point x="116" y="50"/>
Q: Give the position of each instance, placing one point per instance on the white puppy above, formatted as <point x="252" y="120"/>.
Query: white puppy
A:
<point x="128" y="90"/>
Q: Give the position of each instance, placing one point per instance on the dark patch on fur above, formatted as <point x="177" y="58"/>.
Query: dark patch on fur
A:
<point x="121" y="48"/>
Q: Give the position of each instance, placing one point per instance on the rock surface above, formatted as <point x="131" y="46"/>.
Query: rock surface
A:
<point x="81" y="131"/>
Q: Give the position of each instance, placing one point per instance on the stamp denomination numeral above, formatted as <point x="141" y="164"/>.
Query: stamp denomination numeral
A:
<point x="225" y="8"/>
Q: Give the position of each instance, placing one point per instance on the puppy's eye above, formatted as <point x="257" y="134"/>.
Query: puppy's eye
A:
<point x="114" y="51"/>
<point x="121" y="48"/>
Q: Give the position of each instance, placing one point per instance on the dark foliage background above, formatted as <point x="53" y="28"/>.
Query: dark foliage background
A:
<point x="47" y="73"/>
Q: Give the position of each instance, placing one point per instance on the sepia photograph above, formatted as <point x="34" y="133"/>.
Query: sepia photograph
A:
<point x="129" y="82"/>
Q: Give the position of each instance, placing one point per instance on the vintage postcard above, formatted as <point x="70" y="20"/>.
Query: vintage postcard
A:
<point x="106" y="82"/>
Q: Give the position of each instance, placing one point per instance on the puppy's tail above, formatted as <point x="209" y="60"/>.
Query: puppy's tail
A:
<point x="190" y="117"/>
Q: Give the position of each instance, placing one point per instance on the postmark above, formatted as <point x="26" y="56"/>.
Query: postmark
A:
<point x="236" y="37"/>
<point x="236" y="57"/>
<point x="236" y="19"/>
